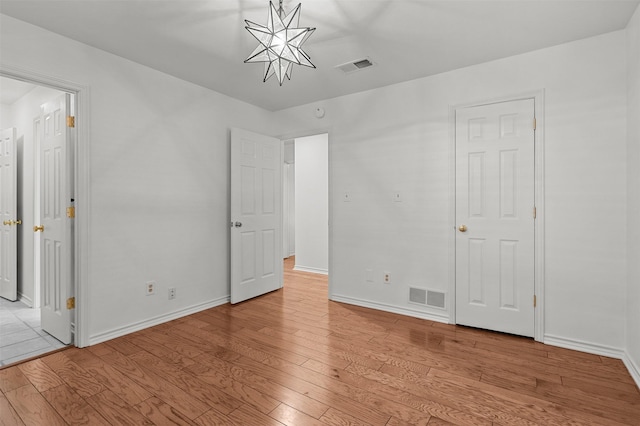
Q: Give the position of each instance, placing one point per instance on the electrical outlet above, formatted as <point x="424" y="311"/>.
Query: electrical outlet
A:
<point x="172" y="293"/>
<point x="386" y="278"/>
<point x="150" y="288"/>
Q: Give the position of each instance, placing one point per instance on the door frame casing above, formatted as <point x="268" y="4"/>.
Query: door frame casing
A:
<point x="539" y="258"/>
<point x="288" y="219"/>
<point x="312" y="132"/>
<point x="81" y="243"/>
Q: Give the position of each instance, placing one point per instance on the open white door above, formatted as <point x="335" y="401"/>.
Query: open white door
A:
<point x="495" y="185"/>
<point x="8" y="213"/>
<point x="56" y="226"/>
<point x="256" y="215"/>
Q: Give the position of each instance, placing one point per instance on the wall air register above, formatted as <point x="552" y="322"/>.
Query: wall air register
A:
<point x="421" y="296"/>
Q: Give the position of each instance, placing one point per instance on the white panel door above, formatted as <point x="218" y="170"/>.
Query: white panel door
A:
<point x="55" y="196"/>
<point x="494" y="217"/>
<point x="8" y="216"/>
<point x="256" y="215"/>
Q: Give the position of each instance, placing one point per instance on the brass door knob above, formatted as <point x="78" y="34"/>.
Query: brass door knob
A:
<point x="38" y="228"/>
<point x="17" y="222"/>
<point x="462" y="228"/>
<point x="6" y="222"/>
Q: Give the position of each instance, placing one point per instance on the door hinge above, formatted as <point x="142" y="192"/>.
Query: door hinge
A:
<point x="535" y="212"/>
<point x="534" y="123"/>
<point x="71" y="212"/>
<point x="535" y="301"/>
<point x="71" y="303"/>
<point x="71" y="121"/>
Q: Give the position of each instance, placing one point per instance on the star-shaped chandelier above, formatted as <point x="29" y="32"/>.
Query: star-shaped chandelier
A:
<point x="280" y="42"/>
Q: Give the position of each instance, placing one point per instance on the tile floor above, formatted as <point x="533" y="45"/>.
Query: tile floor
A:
<point x="20" y="334"/>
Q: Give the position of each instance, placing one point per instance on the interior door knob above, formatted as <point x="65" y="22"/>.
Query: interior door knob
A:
<point x="238" y="224"/>
<point x="39" y="228"/>
<point x="462" y="228"/>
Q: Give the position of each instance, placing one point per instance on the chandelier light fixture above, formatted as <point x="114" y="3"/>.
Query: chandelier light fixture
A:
<point x="280" y="42"/>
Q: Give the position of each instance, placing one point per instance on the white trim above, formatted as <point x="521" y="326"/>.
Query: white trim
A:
<point x="538" y="98"/>
<point x="540" y="219"/>
<point x="592" y="348"/>
<point x="312" y="132"/>
<point x="451" y="223"/>
<point x="288" y="197"/>
<point x="583" y="346"/>
<point x="331" y="283"/>
<point x="633" y="368"/>
<point x="286" y="171"/>
<point x="82" y="193"/>
<point x="25" y="299"/>
<point x="37" y="127"/>
<point x="311" y="269"/>
<point x="160" y="319"/>
<point x="441" y="318"/>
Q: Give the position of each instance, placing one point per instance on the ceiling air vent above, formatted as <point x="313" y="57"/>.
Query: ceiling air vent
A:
<point x="354" y="66"/>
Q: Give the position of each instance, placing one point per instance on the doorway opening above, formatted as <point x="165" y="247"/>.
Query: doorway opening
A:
<point x="257" y="202"/>
<point x="30" y="109"/>
<point x="306" y="203"/>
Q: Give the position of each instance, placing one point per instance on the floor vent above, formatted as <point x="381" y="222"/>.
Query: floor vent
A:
<point x="356" y="65"/>
<point x="435" y="299"/>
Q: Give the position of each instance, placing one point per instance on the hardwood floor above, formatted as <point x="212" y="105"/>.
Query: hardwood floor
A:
<point x="293" y="357"/>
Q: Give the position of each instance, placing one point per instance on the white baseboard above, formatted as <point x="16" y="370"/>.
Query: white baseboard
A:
<point x="443" y="318"/>
<point x="310" y="269"/>
<point x="131" y="328"/>
<point x="582" y="346"/>
<point x="633" y="368"/>
<point x="26" y="300"/>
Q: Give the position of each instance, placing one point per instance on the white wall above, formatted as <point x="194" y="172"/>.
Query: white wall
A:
<point x="160" y="145"/>
<point x="5" y="114"/>
<point x="397" y="138"/>
<point x="22" y="114"/>
<point x="311" y="203"/>
<point x="633" y="197"/>
<point x="159" y="180"/>
<point x="288" y="200"/>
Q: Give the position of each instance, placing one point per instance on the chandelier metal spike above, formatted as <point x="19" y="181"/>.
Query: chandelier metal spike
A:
<point x="281" y="42"/>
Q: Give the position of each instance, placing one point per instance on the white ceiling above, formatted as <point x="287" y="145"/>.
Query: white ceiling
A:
<point x="205" y="42"/>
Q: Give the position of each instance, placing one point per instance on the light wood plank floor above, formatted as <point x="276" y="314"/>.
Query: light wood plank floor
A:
<point x="292" y="357"/>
